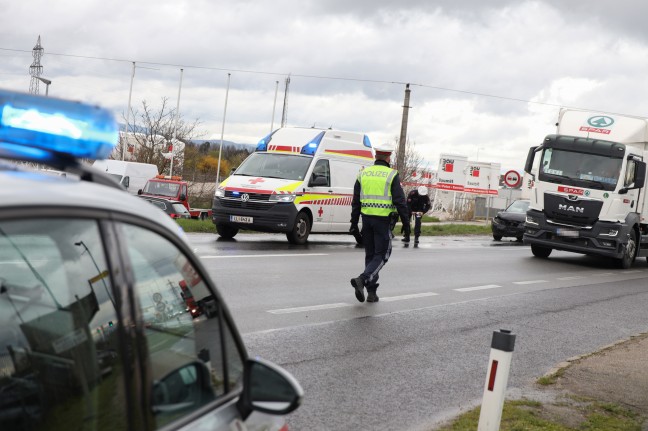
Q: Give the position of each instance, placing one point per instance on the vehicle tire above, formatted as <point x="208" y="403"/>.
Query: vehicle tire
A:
<point x="629" y="251"/>
<point x="497" y="237"/>
<point x="301" y="229"/>
<point x="226" y="231"/>
<point x="203" y="216"/>
<point x="539" y="251"/>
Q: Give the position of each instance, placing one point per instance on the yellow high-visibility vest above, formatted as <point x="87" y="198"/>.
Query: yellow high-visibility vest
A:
<point x="375" y="190"/>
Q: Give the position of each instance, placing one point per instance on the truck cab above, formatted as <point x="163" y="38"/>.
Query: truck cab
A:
<point x="175" y="189"/>
<point x="587" y="184"/>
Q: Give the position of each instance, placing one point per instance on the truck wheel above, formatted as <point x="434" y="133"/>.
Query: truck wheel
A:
<point x="299" y="233"/>
<point x="497" y="237"/>
<point x="203" y="216"/>
<point x="226" y="231"/>
<point x="539" y="251"/>
<point x="629" y="251"/>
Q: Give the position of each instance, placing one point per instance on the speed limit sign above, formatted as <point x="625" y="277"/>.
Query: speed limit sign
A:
<point x="512" y="179"/>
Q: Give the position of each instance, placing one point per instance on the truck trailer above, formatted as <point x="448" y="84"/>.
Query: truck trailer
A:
<point x="587" y="195"/>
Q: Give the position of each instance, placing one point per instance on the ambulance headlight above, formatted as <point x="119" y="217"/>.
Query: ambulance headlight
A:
<point x="282" y="198"/>
<point x="219" y="193"/>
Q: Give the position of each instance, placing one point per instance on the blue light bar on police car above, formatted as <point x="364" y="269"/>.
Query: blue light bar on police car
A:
<point x="36" y="127"/>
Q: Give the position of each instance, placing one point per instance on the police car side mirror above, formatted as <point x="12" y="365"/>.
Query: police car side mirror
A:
<point x="268" y="388"/>
<point x="139" y="192"/>
<point x="187" y="387"/>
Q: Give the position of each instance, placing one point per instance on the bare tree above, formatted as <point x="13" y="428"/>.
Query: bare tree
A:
<point x="413" y="163"/>
<point x="152" y="135"/>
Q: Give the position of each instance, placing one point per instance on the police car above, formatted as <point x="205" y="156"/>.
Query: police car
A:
<point x="94" y="328"/>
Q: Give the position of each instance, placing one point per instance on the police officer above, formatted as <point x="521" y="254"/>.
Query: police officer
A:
<point x="377" y="194"/>
<point x="418" y="203"/>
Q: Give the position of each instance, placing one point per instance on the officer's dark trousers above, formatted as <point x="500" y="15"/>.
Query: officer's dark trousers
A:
<point x="417" y="225"/>
<point x="376" y="237"/>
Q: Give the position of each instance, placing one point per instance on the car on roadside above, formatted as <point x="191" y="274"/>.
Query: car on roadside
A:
<point x="510" y="222"/>
<point x="90" y="336"/>
<point x="175" y="209"/>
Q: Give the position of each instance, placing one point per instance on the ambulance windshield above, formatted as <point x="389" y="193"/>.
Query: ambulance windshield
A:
<point x="580" y="169"/>
<point x="272" y="165"/>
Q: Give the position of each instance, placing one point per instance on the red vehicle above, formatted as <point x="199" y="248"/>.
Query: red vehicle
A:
<point x="173" y="188"/>
<point x="192" y="306"/>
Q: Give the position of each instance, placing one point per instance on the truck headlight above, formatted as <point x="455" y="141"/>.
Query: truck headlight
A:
<point x="282" y="198"/>
<point x="219" y="193"/>
<point x="609" y="232"/>
<point x="531" y="220"/>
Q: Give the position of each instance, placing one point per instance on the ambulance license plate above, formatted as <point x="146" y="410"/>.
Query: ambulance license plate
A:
<point x="570" y="233"/>
<point x="240" y="219"/>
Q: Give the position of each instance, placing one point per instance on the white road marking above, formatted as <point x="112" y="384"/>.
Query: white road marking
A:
<point x="264" y="255"/>
<point x="575" y="277"/>
<point x="530" y="282"/>
<point x="309" y="308"/>
<point x="602" y="274"/>
<point x="631" y="272"/>
<point x="402" y="297"/>
<point x="470" y="289"/>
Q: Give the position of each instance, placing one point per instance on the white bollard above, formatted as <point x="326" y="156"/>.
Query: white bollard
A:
<point x="499" y="365"/>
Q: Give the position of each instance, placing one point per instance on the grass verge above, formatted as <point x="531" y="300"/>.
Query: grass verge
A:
<point x="207" y="226"/>
<point x="567" y="415"/>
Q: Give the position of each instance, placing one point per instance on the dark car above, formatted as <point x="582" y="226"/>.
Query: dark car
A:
<point x="174" y="208"/>
<point x="510" y="222"/>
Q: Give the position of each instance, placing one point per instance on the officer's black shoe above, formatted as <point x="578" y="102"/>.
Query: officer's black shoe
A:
<point x="406" y="239"/>
<point x="358" y="285"/>
<point x="372" y="297"/>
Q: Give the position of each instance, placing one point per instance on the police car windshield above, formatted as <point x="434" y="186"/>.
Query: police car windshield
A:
<point x="271" y="165"/>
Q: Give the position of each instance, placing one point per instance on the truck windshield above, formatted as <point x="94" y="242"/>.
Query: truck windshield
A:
<point x="579" y="169"/>
<point x="160" y="188"/>
<point x="269" y="165"/>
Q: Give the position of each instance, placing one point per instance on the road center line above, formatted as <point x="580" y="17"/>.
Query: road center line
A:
<point x="309" y="308"/>
<point x="470" y="289"/>
<point x="402" y="297"/>
<point x="265" y="255"/>
<point x="604" y="274"/>
<point x="575" y="277"/>
<point x="530" y="282"/>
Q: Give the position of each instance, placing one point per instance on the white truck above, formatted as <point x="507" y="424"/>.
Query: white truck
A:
<point x="131" y="175"/>
<point x="587" y="192"/>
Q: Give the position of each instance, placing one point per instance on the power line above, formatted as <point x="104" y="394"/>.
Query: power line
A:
<point x="335" y="78"/>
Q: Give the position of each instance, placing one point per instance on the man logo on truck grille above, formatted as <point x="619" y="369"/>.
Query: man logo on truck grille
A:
<point x="245" y="197"/>
<point x="600" y="121"/>
<point x="571" y="208"/>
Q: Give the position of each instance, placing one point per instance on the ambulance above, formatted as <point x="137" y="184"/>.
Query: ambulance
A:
<point x="298" y="181"/>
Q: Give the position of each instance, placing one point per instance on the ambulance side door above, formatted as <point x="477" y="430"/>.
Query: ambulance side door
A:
<point x="343" y="177"/>
<point x="320" y="191"/>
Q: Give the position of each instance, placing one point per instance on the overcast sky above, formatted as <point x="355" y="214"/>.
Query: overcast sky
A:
<point x="487" y="78"/>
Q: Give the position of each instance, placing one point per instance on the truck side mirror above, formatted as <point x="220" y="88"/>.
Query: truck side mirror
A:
<point x="183" y="197"/>
<point x="529" y="161"/>
<point x="126" y="182"/>
<point x="640" y="173"/>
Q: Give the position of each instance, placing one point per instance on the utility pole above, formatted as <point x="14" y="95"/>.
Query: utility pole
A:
<point x="400" y="156"/>
<point x="36" y="70"/>
<point x="284" y="115"/>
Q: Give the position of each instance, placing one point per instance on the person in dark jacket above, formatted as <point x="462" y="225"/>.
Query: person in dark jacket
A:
<point x="376" y="195"/>
<point x="418" y="203"/>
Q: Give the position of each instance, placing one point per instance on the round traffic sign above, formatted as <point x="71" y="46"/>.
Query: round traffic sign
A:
<point x="512" y="179"/>
<point x="157" y="297"/>
<point x="160" y="306"/>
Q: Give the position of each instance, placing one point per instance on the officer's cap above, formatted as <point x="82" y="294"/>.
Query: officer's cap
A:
<point x="386" y="148"/>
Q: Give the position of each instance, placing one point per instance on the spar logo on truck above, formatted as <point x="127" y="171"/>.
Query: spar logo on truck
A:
<point x="598" y="124"/>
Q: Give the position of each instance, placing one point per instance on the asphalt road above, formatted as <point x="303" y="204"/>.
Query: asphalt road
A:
<point x="419" y="356"/>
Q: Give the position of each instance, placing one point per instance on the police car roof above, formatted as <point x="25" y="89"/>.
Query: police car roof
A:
<point x="22" y="187"/>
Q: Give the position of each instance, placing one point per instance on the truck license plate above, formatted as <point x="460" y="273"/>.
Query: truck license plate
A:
<point x="241" y="219"/>
<point x="567" y="232"/>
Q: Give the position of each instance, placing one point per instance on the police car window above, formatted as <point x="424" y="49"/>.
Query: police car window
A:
<point x="60" y="364"/>
<point x="190" y="364"/>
